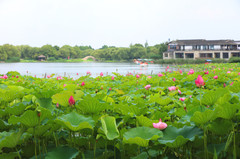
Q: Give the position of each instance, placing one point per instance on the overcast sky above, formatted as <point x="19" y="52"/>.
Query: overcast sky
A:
<point x="116" y="22"/>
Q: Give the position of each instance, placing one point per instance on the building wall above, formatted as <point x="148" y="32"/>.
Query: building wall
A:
<point x="197" y="54"/>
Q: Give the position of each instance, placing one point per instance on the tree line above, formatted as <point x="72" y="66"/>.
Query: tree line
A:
<point x="8" y="52"/>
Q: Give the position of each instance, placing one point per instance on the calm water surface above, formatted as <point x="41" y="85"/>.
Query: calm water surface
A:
<point x="71" y="69"/>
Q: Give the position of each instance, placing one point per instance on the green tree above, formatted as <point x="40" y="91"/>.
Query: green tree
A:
<point x="11" y="51"/>
<point x="3" y="55"/>
<point x="161" y="48"/>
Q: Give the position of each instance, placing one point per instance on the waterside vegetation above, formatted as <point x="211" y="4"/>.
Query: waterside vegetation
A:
<point x="173" y="114"/>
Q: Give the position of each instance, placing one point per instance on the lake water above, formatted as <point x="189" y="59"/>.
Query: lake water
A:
<point x="71" y="69"/>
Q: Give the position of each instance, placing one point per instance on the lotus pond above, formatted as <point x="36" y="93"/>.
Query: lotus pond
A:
<point x="118" y="116"/>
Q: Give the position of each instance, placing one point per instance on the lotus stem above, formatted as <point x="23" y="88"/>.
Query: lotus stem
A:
<point x="35" y="143"/>
<point x="18" y="154"/>
<point x="234" y="145"/>
<point x="205" y="144"/>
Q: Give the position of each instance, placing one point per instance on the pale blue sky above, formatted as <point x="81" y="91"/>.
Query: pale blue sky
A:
<point x="116" y="22"/>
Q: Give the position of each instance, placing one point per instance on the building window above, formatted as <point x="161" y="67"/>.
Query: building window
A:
<point x="173" y="46"/>
<point x="206" y="55"/>
<point x="204" y="47"/>
<point x="189" y="55"/>
<point x="166" y="55"/>
<point x="198" y="47"/>
<point x="217" y="55"/>
<point x="178" y="55"/>
<point x="225" y="55"/>
<point x="211" y="47"/>
<point x="194" y="47"/>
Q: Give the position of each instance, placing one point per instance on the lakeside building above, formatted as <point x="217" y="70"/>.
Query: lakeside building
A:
<point x="202" y="49"/>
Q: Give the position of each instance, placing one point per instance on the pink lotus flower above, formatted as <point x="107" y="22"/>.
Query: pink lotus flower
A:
<point x="82" y="84"/>
<point x="174" y="79"/>
<point x="77" y="73"/>
<point x="101" y="74"/>
<point x="182" y="99"/>
<point x="172" y="88"/>
<point x="57" y="105"/>
<point x="64" y="85"/>
<point x="199" y="82"/>
<point x="110" y="89"/>
<point x="71" y="101"/>
<point x="215" y="77"/>
<point x="112" y="78"/>
<point x="16" y="76"/>
<point x="138" y="76"/>
<point x="48" y="76"/>
<point x="169" y="71"/>
<point x="147" y="87"/>
<point x="166" y="70"/>
<point x="180" y="71"/>
<point x="160" y="75"/>
<point x="4" y="77"/>
<point x="88" y="73"/>
<point x="59" y="78"/>
<point x="228" y="71"/>
<point x="206" y="73"/>
<point x="149" y="76"/>
<point x="167" y="67"/>
<point x="190" y="96"/>
<point x="239" y="73"/>
<point x="179" y="91"/>
<point x="224" y="85"/>
<point x="231" y="83"/>
<point x="191" y="71"/>
<point x="160" y="125"/>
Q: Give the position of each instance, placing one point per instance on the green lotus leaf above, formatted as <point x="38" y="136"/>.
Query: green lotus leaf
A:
<point x="220" y="126"/>
<point x="16" y="109"/>
<point x="108" y="99"/>
<point x="211" y="97"/>
<point x="75" y="122"/>
<point x="144" y="121"/>
<point x="179" y="141"/>
<point x="3" y="125"/>
<point x="70" y="87"/>
<point x="109" y="127"/>
<point x="225" y="98"/>
<point x="91" y="105"/>
<point x="11" y="92"/>
<point x="141" y="135"/>
<point x="235" y="88"/>
<point x="62" y="152"/>
<point x="28" y="118"/>
<point x="78" y="94"/>
<point x="10" y="139"/>
<point x="164" y="101"/>
<point x="176" y="137"/>
<point x="11" y="155"/>
<point x="227" y="110"/>
<point x="39" y="130"/>
<point x="62" y="98"/>
<point x="203" y="117"/>
<point x="27" y="98"/>
<point x="142" y="155"/>
<point x="45" y="103"/>
<point x="131" y="110"/>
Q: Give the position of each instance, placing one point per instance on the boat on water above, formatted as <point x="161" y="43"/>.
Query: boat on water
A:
<point x="143" y="62"/>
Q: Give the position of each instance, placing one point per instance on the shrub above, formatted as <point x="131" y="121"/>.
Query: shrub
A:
<point x="234" y="60"/>
<point x="13" y="59"/>
<point x="51" y="59"/>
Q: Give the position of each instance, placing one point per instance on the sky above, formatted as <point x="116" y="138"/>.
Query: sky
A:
<point x="116" y="22"/>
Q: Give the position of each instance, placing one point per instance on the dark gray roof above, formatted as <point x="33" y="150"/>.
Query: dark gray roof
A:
<point x="203" y="42"/>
